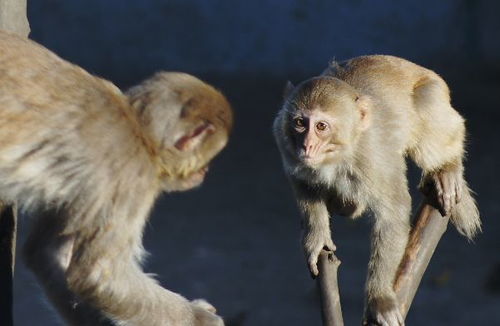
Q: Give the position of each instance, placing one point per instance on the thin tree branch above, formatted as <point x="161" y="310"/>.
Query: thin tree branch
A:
<point x="428" y="229"/>
<point x="331" y="311"/>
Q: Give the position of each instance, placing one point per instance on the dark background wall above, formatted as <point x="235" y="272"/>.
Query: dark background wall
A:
<point x="262" y="36"/>
<point x="235" y="240"/>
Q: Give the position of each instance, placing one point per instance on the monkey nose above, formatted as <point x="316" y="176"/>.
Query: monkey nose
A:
<point x="309" y="149"/>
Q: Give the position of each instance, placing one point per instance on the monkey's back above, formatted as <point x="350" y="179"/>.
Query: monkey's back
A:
<point x="393" y="84"/>
<point x="65" y="134"/>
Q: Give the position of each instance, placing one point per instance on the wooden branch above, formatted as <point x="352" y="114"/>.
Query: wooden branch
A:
<point x="13" y="17"/>
<point x="8" y="225"/>
<point x="331" y="311"/>
<point x="428" y="229"/>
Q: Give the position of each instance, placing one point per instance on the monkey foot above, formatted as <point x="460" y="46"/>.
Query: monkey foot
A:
<point x="383" y="312"/>
<point x="204" y="314"/>
<point x="449" y="186"/>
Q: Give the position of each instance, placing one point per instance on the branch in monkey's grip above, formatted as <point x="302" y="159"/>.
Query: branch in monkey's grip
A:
<point x="429" y="227"/>
<point x="331" y="311"/>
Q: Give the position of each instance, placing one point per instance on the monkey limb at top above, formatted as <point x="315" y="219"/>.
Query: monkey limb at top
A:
<point x="344" y="137"/>
<point x="88" y="161"/>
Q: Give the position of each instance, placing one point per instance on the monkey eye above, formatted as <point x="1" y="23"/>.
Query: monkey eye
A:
<point x="299" y="122"/>
<point x="321" y="126"/>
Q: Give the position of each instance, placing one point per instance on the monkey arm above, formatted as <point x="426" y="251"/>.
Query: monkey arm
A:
<point x="113" y="282"/>
<point x="315" y="223"/>
<point x="94" y="274"/>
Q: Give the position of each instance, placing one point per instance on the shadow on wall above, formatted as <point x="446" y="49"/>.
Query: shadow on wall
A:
<point x="264" y="36"/>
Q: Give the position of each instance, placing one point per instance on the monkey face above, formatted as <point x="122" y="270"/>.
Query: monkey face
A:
<point x="325" y="117"/>
<point x="202" y="131"/>
<point x="193" y="150"/>
<point x="315" y="137"/>
<point x="188" y="120"/>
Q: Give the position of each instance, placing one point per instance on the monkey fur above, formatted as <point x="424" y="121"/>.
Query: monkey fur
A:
<point x="344" y="137"/>
<point x="88" y="162"/>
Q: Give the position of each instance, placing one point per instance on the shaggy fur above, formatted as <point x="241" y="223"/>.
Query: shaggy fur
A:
<point x="380" y="109"/>
<point x="89" y="161"/>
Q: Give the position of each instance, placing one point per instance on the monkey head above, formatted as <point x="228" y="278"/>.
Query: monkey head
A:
<point x="322" y="120"/>
<point x="188" y="120"/>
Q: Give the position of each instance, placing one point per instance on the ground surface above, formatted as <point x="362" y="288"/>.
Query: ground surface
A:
<point x="235" y="241"/>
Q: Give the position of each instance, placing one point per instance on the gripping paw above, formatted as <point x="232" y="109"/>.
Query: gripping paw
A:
<point x="449" y="187"/>
<point x="204" y="314"/>
<point x="383" y="312"/>
<point x="314" y="242"/>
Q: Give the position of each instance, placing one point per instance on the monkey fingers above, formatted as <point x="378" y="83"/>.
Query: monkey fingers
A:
<point x="448" y="190"/>
<point x="204" y="314"/>
<point x="314" y="242"/>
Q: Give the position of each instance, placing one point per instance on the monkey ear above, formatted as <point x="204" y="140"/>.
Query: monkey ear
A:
<point x="288" y="89"/>
<point x="364" y="103"/>
<point x="194" y="138"/>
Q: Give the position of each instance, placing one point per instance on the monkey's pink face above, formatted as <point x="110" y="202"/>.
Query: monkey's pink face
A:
<point x="316" y="137"/>
<point x="197" y="140"/>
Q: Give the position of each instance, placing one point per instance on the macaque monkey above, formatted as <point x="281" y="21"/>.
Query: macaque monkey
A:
<point x="88" y="162"/>
<point x="344" y="136"/>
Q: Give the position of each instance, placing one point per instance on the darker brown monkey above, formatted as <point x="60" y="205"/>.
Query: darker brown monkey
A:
<point x="88" y="162"/>
<point x="344" y="136"/>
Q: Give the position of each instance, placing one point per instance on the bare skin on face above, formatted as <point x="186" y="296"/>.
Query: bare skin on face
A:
<point x="343" y="138"/>
<point x="88" y="161"/>
<point x="315" y="130"/>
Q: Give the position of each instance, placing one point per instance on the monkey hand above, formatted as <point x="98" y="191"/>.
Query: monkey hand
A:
<point x="383" y="311"/>
<point x="204" y="314"/>
<point x="314" y="241"/>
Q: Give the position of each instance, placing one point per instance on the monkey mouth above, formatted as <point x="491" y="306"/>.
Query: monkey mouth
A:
<point x="318" y="158"/>
<point x="309" y="159"/>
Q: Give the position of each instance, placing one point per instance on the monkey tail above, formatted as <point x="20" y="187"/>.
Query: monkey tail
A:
<point x="465" y="215"/>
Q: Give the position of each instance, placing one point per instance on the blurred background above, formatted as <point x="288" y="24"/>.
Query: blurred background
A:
<point x="235" y="241"/>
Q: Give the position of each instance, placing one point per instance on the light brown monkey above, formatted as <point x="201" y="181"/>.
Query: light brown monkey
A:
<point x="344" y="137"/>
<point x="88" y="162"/>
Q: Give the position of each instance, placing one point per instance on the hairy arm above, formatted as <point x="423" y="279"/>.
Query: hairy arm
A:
<point x="315" y="222"/>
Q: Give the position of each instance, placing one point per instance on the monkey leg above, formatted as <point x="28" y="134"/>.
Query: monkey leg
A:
<point x="439" y="146"/>
<point x="47" y="254"/>
<point x="389" y="239"/>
